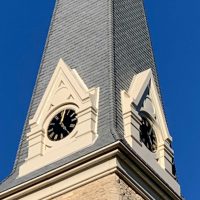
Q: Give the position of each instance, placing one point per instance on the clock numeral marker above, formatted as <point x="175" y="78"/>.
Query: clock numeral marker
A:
<point x="68" y="112"/>
<point x="51" y="135"/>
<point x="61" y="136"/>
<point x="55" y="137"/>
<point x="72" y="125"/>
<point x="72" y="114"/>
<point x="52" y="124"/>
<point x="74" y="119"/>
<point x="50" y="130"/>
<point x="56" y="117"/>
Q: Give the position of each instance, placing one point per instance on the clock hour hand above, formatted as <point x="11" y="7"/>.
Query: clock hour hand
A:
<point x="62" y="117"/>
<point x="149" y="136"/>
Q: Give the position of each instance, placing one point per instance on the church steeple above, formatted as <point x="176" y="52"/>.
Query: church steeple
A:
<point x="97" y="70"/>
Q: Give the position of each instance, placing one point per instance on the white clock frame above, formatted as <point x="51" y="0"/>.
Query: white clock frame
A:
<point x="65" y="90"/>
<point x="131" y="101"/>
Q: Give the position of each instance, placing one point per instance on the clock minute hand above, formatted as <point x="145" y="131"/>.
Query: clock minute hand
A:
<point x="63" y="115"/>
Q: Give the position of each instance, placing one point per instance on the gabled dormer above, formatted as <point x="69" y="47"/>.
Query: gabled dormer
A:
<point x="145" y="126"/>
<point x="65" y="121"/>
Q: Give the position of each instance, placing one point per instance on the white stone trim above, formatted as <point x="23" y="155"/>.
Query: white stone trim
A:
<point x="131" y="102"/>
<point x="66" y="90"/>
<point x="93" y="167"/>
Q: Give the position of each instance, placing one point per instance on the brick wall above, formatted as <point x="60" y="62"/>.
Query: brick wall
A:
<point x="108" y="188"/>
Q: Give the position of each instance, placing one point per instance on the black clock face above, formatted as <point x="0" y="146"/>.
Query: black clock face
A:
<point x="62" y="125"/>
<point x="147" y="135"/>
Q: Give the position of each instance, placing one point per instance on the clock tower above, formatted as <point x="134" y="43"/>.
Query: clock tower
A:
<point x="96" y="128"/>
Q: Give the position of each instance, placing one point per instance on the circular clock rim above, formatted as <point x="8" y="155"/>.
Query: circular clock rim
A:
<point x="145" y="116"/>
<point x="52" y="116"/>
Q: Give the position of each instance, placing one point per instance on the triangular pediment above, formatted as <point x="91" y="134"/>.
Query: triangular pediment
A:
<point x="141" y="109"/>
<point x="65" y="91"/>
<point x="138" y="86"/>
<point x="65" y="86"/>
<point x="143" y="95"/>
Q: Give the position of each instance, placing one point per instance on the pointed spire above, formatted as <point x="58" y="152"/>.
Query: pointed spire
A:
<point x="107" y="43"/>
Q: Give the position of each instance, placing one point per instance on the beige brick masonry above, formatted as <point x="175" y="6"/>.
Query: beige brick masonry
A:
<point x="108" y="188"/>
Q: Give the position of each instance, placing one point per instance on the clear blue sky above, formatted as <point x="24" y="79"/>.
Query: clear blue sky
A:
<point x="175" y="32"/>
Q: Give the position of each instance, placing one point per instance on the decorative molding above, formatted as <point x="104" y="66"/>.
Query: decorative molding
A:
<point x="115" y="158"/>
<point x="142" y="98"/>
<point x="66" y="90"/>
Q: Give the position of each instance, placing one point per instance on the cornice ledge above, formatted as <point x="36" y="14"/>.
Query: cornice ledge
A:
<point x="132" y="159"/>
<point x="119" y="151"/>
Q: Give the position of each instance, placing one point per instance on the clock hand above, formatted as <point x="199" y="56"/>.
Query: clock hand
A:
<point x="149" y="136"/>
<point x="62" y="117"/>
